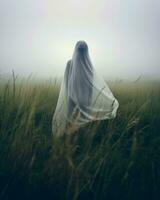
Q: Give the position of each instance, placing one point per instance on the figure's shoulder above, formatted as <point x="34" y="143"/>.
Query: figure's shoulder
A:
<point x="69" y="62"/>
<point x="68" y="66"/>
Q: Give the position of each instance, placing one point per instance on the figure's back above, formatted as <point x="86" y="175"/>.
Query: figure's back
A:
<point x="79" y="90"/>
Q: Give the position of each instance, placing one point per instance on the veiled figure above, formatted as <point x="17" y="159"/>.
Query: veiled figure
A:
<point x="84" y="95"/>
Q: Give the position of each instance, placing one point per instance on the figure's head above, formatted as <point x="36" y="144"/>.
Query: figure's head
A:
<point x="81" y="46"/>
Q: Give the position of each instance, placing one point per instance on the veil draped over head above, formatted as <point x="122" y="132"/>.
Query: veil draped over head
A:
<point x="84" y="95"/>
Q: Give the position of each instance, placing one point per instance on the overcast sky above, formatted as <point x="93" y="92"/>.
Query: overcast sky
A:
<point x="38" y="36"/>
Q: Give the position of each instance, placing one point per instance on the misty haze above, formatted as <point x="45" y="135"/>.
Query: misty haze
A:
<point x="38" y="37"/>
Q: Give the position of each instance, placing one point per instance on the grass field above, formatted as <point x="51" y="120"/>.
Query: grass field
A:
<point x="112" y="159"/>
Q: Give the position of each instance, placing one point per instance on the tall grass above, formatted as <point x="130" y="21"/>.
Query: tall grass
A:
<point x="110" y="159"/>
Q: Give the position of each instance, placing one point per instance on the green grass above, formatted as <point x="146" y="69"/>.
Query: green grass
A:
<point x="111" y="159"/>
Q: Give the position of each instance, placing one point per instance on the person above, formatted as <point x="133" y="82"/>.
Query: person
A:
<point x="84" y="95"/>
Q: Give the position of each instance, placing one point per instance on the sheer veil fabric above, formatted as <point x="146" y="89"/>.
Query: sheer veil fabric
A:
<point x="84" y="95"/>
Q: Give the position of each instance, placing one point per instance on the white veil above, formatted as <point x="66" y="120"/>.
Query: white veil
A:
<point x="84" y="95"/>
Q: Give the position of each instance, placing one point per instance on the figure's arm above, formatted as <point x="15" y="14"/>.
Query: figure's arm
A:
<point x="66" y="74"/>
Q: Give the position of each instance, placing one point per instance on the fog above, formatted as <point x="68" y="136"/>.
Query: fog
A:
<point x="38" y="36"/>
